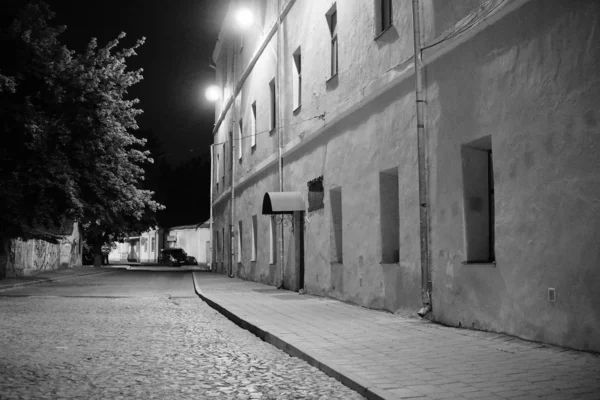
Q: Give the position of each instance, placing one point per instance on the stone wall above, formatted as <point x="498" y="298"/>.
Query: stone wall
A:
<point x="28" y="257"/>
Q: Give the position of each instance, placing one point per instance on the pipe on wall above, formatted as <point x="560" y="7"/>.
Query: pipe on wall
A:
<point x="424" y="222"/>
<point x="279" y="135"/>
<point x="210" y="220"/>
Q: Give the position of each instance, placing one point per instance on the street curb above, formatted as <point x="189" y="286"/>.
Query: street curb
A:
<point x="353" y="382"/>
<point x="46" y="280"/>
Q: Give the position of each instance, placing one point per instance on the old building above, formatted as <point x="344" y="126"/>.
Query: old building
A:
<point x="193" y="239"/>
<point x="465" y="184"/>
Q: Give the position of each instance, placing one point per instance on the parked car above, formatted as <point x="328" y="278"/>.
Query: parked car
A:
<point x="191" y="260"/>
<point x="175" y="257"/>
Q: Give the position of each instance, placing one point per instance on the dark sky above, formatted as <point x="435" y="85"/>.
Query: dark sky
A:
<point x="180" y="37"/>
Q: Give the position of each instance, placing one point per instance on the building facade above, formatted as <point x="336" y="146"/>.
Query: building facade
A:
<point x="144" y="248"/>
<point x="481" y="204"/>
<point x="193" y="239"/>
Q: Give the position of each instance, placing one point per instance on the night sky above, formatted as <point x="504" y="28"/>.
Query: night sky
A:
<point x="180" y="38"/>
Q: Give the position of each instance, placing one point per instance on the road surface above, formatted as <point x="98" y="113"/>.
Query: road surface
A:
<point x="140" y="334"/>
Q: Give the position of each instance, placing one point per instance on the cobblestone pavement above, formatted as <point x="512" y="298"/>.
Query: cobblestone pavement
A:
<point x="143" y="348"/>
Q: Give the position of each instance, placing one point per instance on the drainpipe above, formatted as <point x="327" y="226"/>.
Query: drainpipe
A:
<point x="232" y="202"/>
<point x="423" y="168"/>
<point x="210" y="221"/>
<point x="279" y="134"/>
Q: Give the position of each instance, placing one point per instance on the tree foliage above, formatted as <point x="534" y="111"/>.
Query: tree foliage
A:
<point x="70" y="151"/>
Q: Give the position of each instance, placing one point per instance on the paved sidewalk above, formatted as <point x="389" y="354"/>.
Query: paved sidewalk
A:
<point x="385" y="356"/>
<point x="56" y="275"/>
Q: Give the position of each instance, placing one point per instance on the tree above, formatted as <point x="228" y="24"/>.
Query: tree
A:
<point x="72" y="154"/>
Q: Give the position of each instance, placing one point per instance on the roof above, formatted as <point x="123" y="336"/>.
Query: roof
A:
<point x="282" y="202"/>
<point x="192" y="226"/>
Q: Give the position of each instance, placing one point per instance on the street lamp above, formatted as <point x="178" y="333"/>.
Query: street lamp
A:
<point x="244" y="18"/>
<point x="212" y="93"/>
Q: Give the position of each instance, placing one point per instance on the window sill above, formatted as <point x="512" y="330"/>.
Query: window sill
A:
<point x="482" y="263"/>
<point x="380" y="34"/>
<point x="331" y="78"/>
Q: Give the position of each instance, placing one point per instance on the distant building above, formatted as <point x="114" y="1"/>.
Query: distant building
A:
<point x="145" y="248"/>
<point x="193" y="239"/>
<point x="505" y="206"/>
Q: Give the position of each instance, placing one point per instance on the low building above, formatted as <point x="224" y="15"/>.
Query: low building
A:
<point x="144" y="248"/>
<point x="193" y="239"/>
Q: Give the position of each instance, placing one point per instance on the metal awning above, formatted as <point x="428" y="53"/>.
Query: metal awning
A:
<point x="282" y="203"/>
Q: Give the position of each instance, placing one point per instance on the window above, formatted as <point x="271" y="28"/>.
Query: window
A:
<point x="315" y="194"/>
<point x="223" y="245"/>
<point x="272" y="241"/>
<point x="335" y="240"/>
<point x="478" y="192"/>
<point x="218" y="167"/>
<point x="253" y="126"/>
<point x="216" y="246"/>
<point x="262" y="10"/>
<point x="254" y="231"/>
<point x="383" y="15"/>
<point x="297" y="79"/>
<point x="239" y="242"/>
<point x="223" y="169"/>
<point x="389" y="216"/>
<point x="332" y="21"/>
<point x="153" y="245"/>
<point x="273" y="106"/>
<point x="240" y="136"/>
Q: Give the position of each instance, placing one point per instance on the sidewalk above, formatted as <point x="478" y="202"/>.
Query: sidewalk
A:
<point x="385" y="356"/>
<point x="53" y="276"/>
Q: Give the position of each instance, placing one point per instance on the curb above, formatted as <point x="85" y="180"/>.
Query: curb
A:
<point x="46" y="280"/>
<point x="353" y="382"/>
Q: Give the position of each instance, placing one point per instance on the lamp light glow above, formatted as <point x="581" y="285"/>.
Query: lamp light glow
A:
<point x="212" y="93"/>
<point x="244" y="18"/>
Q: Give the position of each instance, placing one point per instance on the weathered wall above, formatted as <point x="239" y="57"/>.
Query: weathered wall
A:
<point x="532" y="82"/>
<point x="349" y="154"/>
<point x="36" y="255"/>
<point x="529" y="80"/>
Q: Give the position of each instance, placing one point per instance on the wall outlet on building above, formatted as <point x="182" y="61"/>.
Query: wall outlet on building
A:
<point x="551" y="295"/>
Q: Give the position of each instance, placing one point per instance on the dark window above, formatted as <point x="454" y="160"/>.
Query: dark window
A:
<point x="315" y="194"/>
<point x="332" y="21"/>
<point x="383" y="15"/>
<point x="273" y="99"/>
<point x="478" y="191"/>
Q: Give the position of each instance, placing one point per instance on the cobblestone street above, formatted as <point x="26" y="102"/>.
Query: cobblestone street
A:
<point x="157" y="347"/>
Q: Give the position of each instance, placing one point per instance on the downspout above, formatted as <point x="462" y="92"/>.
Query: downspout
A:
<point x="210" y="221"/>
<point x="279" y="134"/>
<point x="231" y="136"/>
<point x="232" y="205"/>
<point x="423" y="167"/>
